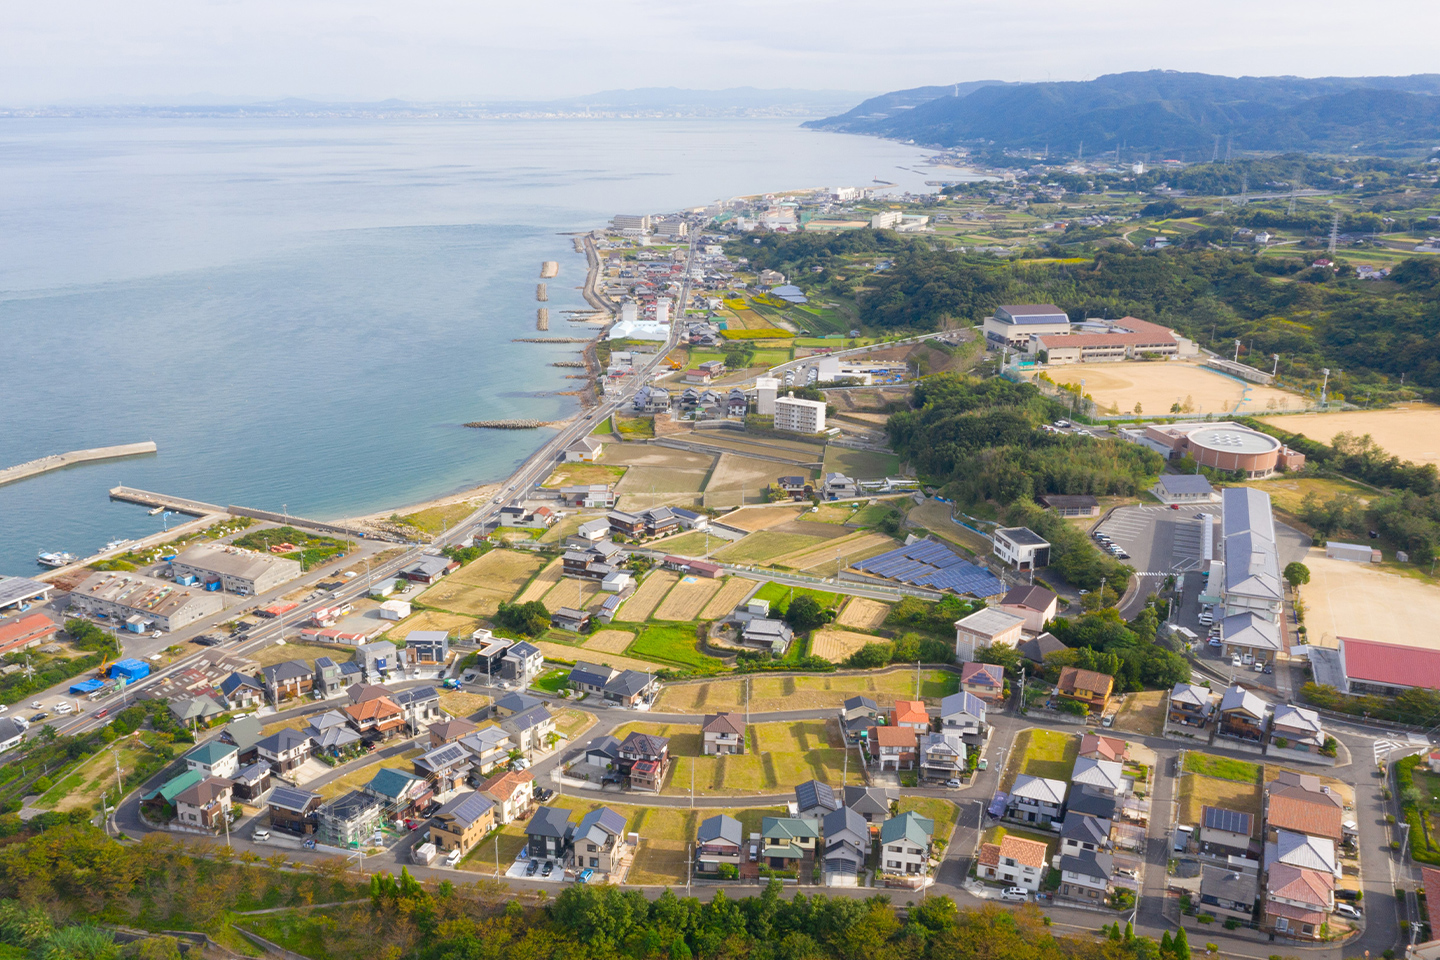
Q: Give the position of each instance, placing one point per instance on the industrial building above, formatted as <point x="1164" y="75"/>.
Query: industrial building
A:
<point x="799" y="416"/>
<point x="18" y="591"/>
<point x="1219" y="446"/>
<point x="241" y="572"/>
<point x="139" y="603"/>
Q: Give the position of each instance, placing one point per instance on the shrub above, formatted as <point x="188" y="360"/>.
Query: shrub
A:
<point x="1205" y="918"/>
<point x="1232" y="924"/>
<point x="728" y="871"/>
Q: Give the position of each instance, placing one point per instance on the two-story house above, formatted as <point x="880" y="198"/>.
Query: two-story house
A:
<point x="284" y="750"/>
<point x="598" y="842"/>
<point x="328" y="681"/>
<point x="547" y="835"/>
<point x="629" y="688"/>
<point x="1228" y="892"/>
<point x="1297" y="730"/>
<point x="400" y="794"/>
<point x="1035" y="800"/>
<point x="1086" y="686"/>
<point x="894" y="748"/>
<point x="1085" y="835"/>
<point x="963" y="714"/>
<point x="872" y="803"/>
<point x="531" y="730"/>
<point x="1016" y="861"/>
<point x="1298" y="901"/>
<point x="521" y="663"/>
<point x="1225" y="833"/>
<point x="644" y="760"/>
<point x="846" y="846"/>
<point x="905" y="844"/>
<point x="1104" y="776"/>
<point x="513" y="793"/>
<point x="1190" y="706"/>
<point x="1086" y="875"/>
<point x="857" y="716"/>
<point x="214" y="759"/>
<point x="911" y="714"/>
<point x="420" y="706"/>
<point x="446" y="767"/>
<point x="1300" y="803"/>
<point x="719" y="839"/>
<point x="942" y="756"/>
<point x="241" y="691"/>
<point x="462" y="822"/>
<point x="814" y="801"/>
<point x="205" y="804"/>
<point x="723" y="734"/>
<point x="1243" y="716"/>
<point x="293" y="810"/>
<point x="983" y="680"/>
<point x="331" y="733"/>
<point x="379" y="718"/>
<point x="788" y="841"/>
<point x="1033" y="604"/>
<point x="449" y="731"/>
<point x="513" y="703"/>
<point x="288" y="680"/>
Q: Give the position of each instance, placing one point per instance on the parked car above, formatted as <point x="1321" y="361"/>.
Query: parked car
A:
<point x="260" y="836"/>
<point x="1214" y="641"/>
<point x="454" y="857"/>
<point x="548" y="869"/>
<point x="1015" y="895"/>
<point x="754" y="852"/>
<point x="1348" y="910"/>
<point x="585" y="875"/>
<point x="1108" y="720"/>
<point x="1351" y="895"/>
<point x="1235" y="660"/>
<point x="953" y="784"/>
<point x="533" y="868"/>
<point x="984" y="764"/>
<point x="1174" y="506"/>
<point x="1268" y="669"/>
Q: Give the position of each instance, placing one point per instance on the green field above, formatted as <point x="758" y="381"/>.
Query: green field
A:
<point x="872" y="514"/>
<point x="766" y="545"/>
<point x="672" y="643"/>
<point x="691" y="544"/>
<point x="1041" y="753"/>
<point x="1222" y="767"/>
<point x="861" y="464"/>
<point x="780" y="594"/>
<point x="551" y="681"/>
<point x="635" y="428"/>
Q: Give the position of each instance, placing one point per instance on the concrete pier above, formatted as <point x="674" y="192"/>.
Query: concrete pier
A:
<point x="542" y="318"/>
<point x="549" y="269"/>
<point x="60" y="460"/>
<point x="541" y="293"/>
<point x="196" y="508"/>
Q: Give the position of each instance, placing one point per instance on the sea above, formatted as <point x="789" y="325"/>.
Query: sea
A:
<point x="302" y="314"/>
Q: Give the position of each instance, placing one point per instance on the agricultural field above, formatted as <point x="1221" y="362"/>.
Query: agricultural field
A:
<point x="751" y="519"/>
<point x="863" y="614"/>
<point x="280" y="652"/>
<point x="1346" y="599"/>
<point x="1156" y="386"/>
<point x="478" y="588"/>
<point x="837" y="645"/>
<point x="578" y="474"/>
<point x="687" y="598"/>
<point x="861" y="464"/>
<point x="1041" y="753"/>
<point x="690" y="544"/>
<point x="780" y="595"/>
<point x="572" y="592"/>
<point x="819" y="692"/>
<point x="569" y="654"/>
<point x="543" y="582"/>
<point x="821" y="560"/>
<point x="563" y="529"/>
<point x="739" y="479"/>
<point x="642" y="603"/>
<point x="451" y="623"/>
<point x="832" y="512"/>
<point x="1411" y="433"/>
<point x="674" y="644"/>
<point x="730" y="596"/>
<point x="608" y="641"/>
<point x="635" y="428"/>
<point x="767" y="546"/>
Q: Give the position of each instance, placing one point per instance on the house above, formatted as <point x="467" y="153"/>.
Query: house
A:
<point x="813" y="800"/>
<point x="547" y="835"/>
<point x="420" y="706"/>
<point x="618" y="581"/>
<point x="629" y="688"/>
<point x="604" y="753"/>
<point x="1296" y="729"/>
<point x="245" y="733"/>
<point x="400" y="793"/>
<point x="1085" y="835"/>
<point x="462" y="822"/>
<point x="293" y="810"/>
<point x="962" y="714"/>
<point x="1225" y="832"/>
<point x="428" y="570"/>
<point x="284" y="750"/>
<point x="512" y="792"/>
<point x="521" y="663"/>
<point x="251" y="782"/>
<point x="427" y="646"/>
<point x="446" y="767"/>
<point x="1036" y="649"/>
<point x="871" y="803"/>
<point x="1096" y="746"/>
<point x="599" y="843"/>
<point x="488" y="749"/>
<point x="531" y="730"/>
<point x="1086" y="876"/>
<point x="595" y="562"/>
<point x="985" y="681"/>
<point x="893" y="748"/>
<point x="1243" y="715"/>
<point x="1033" y="604"/>
<point x="204" y="804"/>
<point x="1021" y="548"/>
<point x="590" y="496"/>
<point x="772" y="635"/>
<point x="592" y="531"/>
<point x="1015" y="861"/>
<point x="796" y="488"/>
<point x="912" y="714"/>
<point x="584" y="450"/>
<point x="449" y="731"/>
<point x="377" y="719"/>
<point x="1183" y="488"/>
<point x="722" y="734"/>
<point x="568" y="618"/>
<point x="1080" y="505"/>
<point x="1300" y="803"/>
<point x="837" y="486"/>
<point x="285" y="681"/>
<point x="983" y="628"/>
<point x="11" y="734"/>
<point x="857" y="716"/>
<point x="846" y="846"/>
<point x="214" y="759"/>
<point x="942" y="756"/>
<point x="787" y="841"/>
<point x="905" y="844"/>
<point x="242" y="692"/>
<point x="1228" y="892"/>
<point x="513" y="703"/>
<point x="1036" y="800"/>
<point x="1190" y="705"/>
<point x="1102" y="775"/>
<point x="376" y="659"/>
<point x="199" y="710"/>
<point x="1302" y="850"/>
<point x="719" y="839"/>
<point x="161" y="800"/>
<point x="1297" y="901"/>
<point x="644" y="761"/>
<point x="1088" y="802"/>
<point x="327" y="681"/>
<point x="1086" y="686"/>
<point x="348" y="820"/>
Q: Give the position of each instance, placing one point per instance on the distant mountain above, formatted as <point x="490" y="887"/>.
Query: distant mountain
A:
<point x="1166" y="113"/>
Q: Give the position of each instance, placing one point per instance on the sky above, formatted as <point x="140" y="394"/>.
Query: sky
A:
<point x="171" y="51"/>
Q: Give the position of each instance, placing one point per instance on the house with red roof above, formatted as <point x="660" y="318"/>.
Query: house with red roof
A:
<point x="984" y="680"/>
<point x="911" y="714"/>
<point x="20" y="633"/>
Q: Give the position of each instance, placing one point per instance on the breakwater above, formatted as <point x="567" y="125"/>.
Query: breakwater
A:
<point x="506" y="424"/>
<point x="578" y="364"/>
<point x="549" y="270"/>
<point x="551" y="340"/>
<point x="542" y="319"/>
<point x="61" y="460"/>
<point x="541" y="293"/>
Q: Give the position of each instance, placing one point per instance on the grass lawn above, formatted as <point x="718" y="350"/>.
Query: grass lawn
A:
<point x="766" y="545"/>
<point x="1222" y="767"/>
<point x="458" y="703"/>
<point x="438" y="519"/>
<point x="603" y="430"/>
<point x="1041" y="753"/>
<point x="357" y="778"/>
<point x="552" y="681"/>
<point x="1288" y="493"/>
<point x="1197" y="792"/>
<point x="673" y="643"/>
<point x="279" y="653"/>
<point x="803" y="692"/>
<point x="831" y="513"/>
<point x="691" y="544"/>
<point x="1143" y="713"/>
<point x="861" y="464"/>
<point x="571" y="723"/>
<point x="780" y="595"/>
<point x="635" y="428"/>
<point x="871" y="514"/>
<point x="943" y="812"/>
<point x="577" y="474"/>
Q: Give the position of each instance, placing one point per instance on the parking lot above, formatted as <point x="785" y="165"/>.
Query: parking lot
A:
<point x="1162" y="540"/>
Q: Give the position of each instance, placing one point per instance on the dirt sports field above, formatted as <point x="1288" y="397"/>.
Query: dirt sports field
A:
<point x="836" y="645"/>
<point x="863" y="614"/>
<point x="686" y="599"/>
<point x="735" y="590"/>
<point x="1412" y="433"/>
<point x="647" y="596"/>
<point x="1158" y="384"/>
<point x="609" y="641"/>
<point x="1358" y="600"/>
<point x="478" y="589"/>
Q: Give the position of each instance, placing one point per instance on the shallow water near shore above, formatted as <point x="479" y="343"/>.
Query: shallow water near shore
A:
<point x="302" y="313"/>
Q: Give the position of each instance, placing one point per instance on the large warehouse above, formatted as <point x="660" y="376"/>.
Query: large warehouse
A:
<point x="242" y="572"/>
<point x="139" y="603"/>
<point x="1220" y="446"/>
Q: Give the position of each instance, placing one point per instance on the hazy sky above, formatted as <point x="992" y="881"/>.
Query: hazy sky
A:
<point x="168" y="50"/>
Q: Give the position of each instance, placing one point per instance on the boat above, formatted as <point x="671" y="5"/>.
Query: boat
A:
<point x="55" y="559"/>
<point x="116" y="544"/>
<point x="157" y="511"/>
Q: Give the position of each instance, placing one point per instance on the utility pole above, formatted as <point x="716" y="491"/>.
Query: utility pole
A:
<point x="1276" y="371"/>
<point x="1237" y="351"/>
<point x="1324" y="384"/>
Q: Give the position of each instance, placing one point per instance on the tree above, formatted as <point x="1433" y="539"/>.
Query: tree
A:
<point x="1181" y="944"/>
<point x="1297" y="574"/>
<point x="805" y="613"/>
<point x="527" y="619"/>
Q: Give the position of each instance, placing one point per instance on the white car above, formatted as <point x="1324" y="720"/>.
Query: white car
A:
<point x="1346" y="910"/>
<point x="1235" y="660"/>
<point x="1015" y="895"/>
<point x="35" y="704"/>
<point x="454" y="857"/>
<point x="64" y="708"/>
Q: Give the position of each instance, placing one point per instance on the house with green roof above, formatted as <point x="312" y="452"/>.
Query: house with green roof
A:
<point x="905" y="844"/>
<point x="400" y="793"/>
<point x="214" y="759"/>
<point x="788" y="841"/>
<point x="160" y="802"/>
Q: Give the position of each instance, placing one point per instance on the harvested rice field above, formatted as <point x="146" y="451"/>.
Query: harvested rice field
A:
<point x="647" y="596"/>
<point x="734" y="590"/>
<point x="759" y="518"/>
<point x="478" y="588"/>
<point x="687" y="598"/>
<point x="837" y="645"/>
<point x="542" y="584"/>
<point x="863" y="614"/>
<point x="608" y="641"/>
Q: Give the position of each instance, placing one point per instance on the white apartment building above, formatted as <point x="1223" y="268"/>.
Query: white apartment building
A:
<point x="886" y="220"/>
<point x="766" y="389"/>
<point x="799" y="416"/>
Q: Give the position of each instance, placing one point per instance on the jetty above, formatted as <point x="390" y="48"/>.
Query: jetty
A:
<point x="549" y="270"/>
<point x="506" y="424"/>
<point x="542" y="319"/>
<point x="541" y="293"/>
<point x="569" y="363"/>
<point x="199" y="508"/>
<point x="59" y="461"/>
<point x="195" y="508"/>
<point x="551" y="339"/>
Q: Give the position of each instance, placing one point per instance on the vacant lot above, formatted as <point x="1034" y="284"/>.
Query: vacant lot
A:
<point x="1357" y="600"/>
<point x="648" y="595"/>
<point x="560" y="651"/>
<point x="779" y="756"/>
<point x="280" y="652"/>
<point x="451" y="623"/>
<point x="437" y="519"/>
<point x="1197" y="791"/>
<point x="780" y="595"/>
<point x="609" y="641"/>
<point x="861" y="464"/>
<point x="478" y="588"/>
<point x="357" y="778"/>
<point x="1223" y="768"/>
<point x="672" y="643"/>
<point x="832" y="512"/>
<point x="1411" y="433"/>
<point x="821" y="560"/>
<point x="935" y="517"/>
<point x="1288" y="492"/>
<point x="1143" y="713"/>
<point x="576" y="474"/>
<point x="543" y="582"/>
<point x="1041" y="753"/>
<point x="642" y="481"/>
<point x="943" y="812"/>
<point x="458" y="703"/>
<point x="687" y="598"/>
<point x="837" y="645"/>
<point x="759" y="518"/>
<point x="81" y="789"/>
<point x="863" y="614"/>
<point x="766" y="547"/>
<point x="1156" y="386"/>
<point x="803" y="692"/>
<point x="739" y="479"/>
<point x="734" y="590"/>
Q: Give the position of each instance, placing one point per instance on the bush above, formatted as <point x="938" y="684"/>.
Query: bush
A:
<point x="1232" y="924"/>
<point x="728" y="871"/>
<point x="1205" y="918"/>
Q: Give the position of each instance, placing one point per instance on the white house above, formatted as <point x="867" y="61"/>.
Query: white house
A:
<point x="1021" y="548"/>
<point x="1036" y="799"/>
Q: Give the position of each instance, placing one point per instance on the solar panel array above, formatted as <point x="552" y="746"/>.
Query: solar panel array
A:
<point x="929" y="564"/>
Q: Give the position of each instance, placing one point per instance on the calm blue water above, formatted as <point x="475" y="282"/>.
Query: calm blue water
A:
<point x="302" y="313"/>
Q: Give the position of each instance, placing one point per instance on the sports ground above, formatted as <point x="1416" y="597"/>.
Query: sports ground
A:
<point x="1410" y="433"/>
<point x="1158" y="385"/>
<point x="1363" y="601"/>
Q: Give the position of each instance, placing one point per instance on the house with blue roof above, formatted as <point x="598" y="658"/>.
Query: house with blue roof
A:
<point x="400" y="794"/>
<point x="214" y="759"/>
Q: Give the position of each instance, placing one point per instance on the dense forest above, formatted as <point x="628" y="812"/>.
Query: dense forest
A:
<point x="1375" y="333"/>
<point x="76" y="874"/>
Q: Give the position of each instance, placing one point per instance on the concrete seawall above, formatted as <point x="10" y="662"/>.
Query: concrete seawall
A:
<point x="60" y="460"/>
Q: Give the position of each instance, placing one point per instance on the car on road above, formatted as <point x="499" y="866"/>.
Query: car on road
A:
<point x="1268" y="669"/>
<point x="548" y="869"/>
<point x="533" y="868"/>
<point x="1015" y="895"/>
<point x="984" y="764"/>
<point x="35" y="704"/>
<point x="102" y="713"/>
<point x="260" y="836"/>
